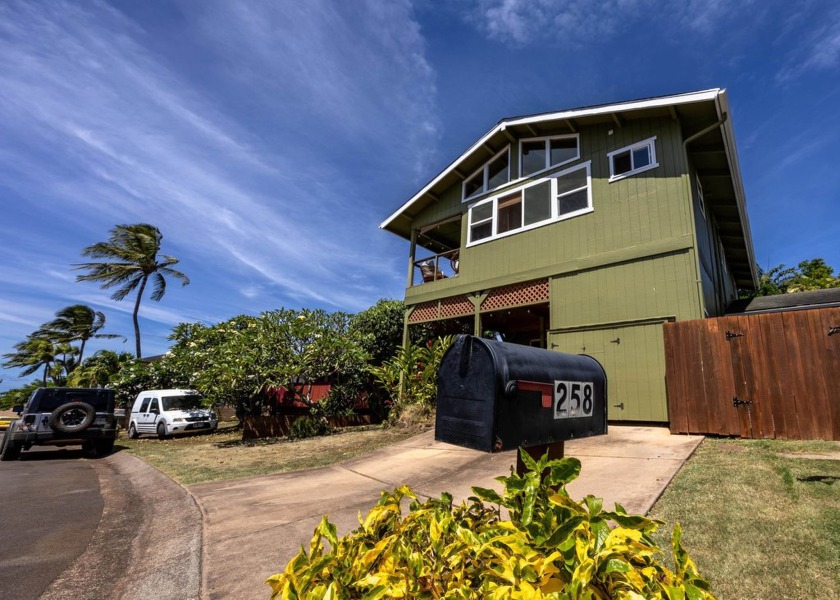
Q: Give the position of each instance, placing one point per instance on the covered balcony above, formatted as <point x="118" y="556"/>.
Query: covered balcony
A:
<point x="436" y="252"/>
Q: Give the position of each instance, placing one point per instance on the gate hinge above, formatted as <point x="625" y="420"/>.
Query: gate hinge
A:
<point x="833" y="330"/>
<point x="736" y="402"/>
<point x="731" y="334"/>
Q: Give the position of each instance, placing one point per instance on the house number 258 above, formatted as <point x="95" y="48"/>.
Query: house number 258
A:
<point x="572" y="399"/>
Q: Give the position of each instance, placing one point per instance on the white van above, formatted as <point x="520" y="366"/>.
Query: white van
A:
<point x="168" y="412"/>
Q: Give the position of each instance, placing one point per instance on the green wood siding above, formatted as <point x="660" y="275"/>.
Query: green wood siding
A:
<point x="634" y="359"/>
<point x="615" y="273"/>
<point x="645" y="289"/>
<point x="650" y="207"/>
<point x="448" y="206"/>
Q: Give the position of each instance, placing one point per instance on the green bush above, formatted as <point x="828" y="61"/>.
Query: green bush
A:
<point x="307" y="427"/>
<point x="551" y="547"/>
<point x="410" y="377"/>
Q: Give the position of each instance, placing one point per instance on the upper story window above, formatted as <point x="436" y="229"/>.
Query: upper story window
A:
<point x="633" y="159"/>
<point x="494" y="173"/>
<point x="539" y="154"/>
<point x="561" y="196"/>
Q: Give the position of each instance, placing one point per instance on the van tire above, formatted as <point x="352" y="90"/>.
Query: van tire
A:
<point x="132" y="432"/>
<point x="72" y="417"/>
<point x="161" y="431"/>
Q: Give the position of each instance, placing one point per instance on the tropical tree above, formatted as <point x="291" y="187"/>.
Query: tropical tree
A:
<point x="77" y="323"/>
<point x="32" y="354"/>
<point x="97" y="370"/>
<point x="813" y="275"/>
<point x="808" y="275"/>
<point x="131" y="258"/>
<point x="18" y="396"/>
<point x="247" y="359"/>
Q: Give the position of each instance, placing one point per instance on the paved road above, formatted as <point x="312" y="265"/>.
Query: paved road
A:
<point x="51" y="506"/>
<point x="95" y="529"/>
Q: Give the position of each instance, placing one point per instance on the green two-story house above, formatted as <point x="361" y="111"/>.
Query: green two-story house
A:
<point x="584" y="231"/>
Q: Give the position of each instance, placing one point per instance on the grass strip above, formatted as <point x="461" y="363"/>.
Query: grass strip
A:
<point x="761" y="518"/>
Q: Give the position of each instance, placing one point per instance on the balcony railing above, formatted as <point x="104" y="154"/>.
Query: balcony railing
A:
<point x="440" y="266"/>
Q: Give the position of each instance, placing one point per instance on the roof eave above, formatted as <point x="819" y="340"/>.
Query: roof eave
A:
<point x="675" y="100"/>
<point x="722" y="107"/>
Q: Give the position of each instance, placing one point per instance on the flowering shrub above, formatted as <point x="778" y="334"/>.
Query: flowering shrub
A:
<point x="551" y="547"/>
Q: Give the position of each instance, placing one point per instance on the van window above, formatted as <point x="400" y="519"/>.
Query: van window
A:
<point x="184" y="402"/>
<point x="154" y="406"/>
<point x="144" y="407"/>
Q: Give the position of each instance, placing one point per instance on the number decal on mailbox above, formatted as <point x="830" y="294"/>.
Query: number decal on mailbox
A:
<point x="573" y="399"/>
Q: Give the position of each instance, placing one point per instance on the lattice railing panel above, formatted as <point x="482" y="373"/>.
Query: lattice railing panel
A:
<point x="456" y="306"/>
<point x="425" y="311"/>
<point x="518" y="294"/>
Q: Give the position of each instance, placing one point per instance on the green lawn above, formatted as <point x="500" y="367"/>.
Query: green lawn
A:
<point x="761" y="518"/>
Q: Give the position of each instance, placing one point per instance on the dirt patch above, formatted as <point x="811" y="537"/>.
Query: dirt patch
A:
<point x="811" y="455"/>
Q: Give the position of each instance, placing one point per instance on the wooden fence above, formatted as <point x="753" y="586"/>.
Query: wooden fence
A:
<point x="263" y="427"/>
<point x="772" y="375"/>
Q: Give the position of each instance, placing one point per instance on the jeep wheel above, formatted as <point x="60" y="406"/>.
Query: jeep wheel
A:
<point x="132" y="432"/>
<point x="161" y="431"/>
<point x="103" y="447"/>
<point x="9" y="450"/>
<point x="72" y="417"/>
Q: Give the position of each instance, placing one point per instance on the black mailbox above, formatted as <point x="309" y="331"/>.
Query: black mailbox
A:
<point x="496" y="396"/>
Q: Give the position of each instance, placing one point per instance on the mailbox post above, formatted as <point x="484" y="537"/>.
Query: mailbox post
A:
<point x="495" y="396"/>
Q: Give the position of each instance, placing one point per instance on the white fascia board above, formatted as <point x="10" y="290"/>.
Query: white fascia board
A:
<point x="689" y="98"/>
<point x="442" y="174"/>
<point x="620" y="107"/>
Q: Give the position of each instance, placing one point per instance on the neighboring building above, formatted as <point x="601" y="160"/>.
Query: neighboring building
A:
<point x="828" y="298"/>
<point x="583" y="231"/>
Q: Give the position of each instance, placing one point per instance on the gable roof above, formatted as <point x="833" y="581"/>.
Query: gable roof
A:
<point x="704" y="119"/>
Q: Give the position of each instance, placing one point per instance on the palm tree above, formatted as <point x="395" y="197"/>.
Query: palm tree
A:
<point x="32" y="354"/>
<point x="132" y="258"/>
<point x="77" y="323"/>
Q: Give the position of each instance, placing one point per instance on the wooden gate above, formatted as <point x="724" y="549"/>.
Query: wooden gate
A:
<point x="772" y="375"/>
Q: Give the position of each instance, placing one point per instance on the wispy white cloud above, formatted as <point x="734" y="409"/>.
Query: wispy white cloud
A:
<point x="138" y="139"/>
<point x="818" y="50"/>
<point x="575" y="22"/>
<point x="568" y="21"/>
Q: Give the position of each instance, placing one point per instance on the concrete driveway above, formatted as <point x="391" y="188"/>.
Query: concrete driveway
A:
<point x="252" y="527"/>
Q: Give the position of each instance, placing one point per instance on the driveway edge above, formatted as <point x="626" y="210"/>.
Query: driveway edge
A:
<point x="149" y="541"/>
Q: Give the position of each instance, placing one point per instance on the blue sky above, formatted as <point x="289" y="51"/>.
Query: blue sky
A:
<point x="267" y="140"/>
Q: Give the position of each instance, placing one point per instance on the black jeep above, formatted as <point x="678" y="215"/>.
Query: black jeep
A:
<point x="63" y="416"/>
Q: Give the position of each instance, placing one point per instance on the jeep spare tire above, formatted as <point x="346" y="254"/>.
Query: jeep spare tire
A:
<point x="72" y="417"/>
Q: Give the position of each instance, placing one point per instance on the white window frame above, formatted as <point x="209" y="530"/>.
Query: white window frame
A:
<point x="650" y="143"/>
<point x="483" y="172"/>
<point x="554" y="218"/>
<point x="547" y="141"/>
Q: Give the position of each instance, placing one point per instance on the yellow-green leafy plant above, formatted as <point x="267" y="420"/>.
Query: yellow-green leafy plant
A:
<point x="550" y="547"/>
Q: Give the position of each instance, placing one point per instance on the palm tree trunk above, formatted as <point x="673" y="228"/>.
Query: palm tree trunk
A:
<point x="81" y="351"/>
<point x="46" y="368"/>
<point x="136" y="310"/>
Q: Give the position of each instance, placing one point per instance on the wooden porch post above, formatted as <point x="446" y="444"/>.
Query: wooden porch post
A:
<point x="411" y="252"/>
